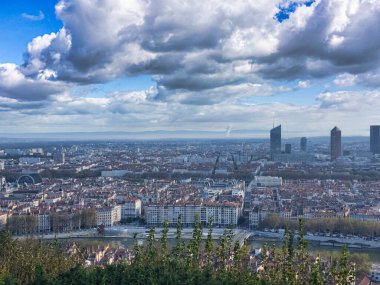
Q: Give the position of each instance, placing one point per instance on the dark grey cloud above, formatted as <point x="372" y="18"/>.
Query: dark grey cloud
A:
<point x="176" y="40"/>
<point x="197" y="82"/>
<point x="332" y="37"/>
<point x="150" y="37"/>
<point x="198" y="52"/>
<point x="14" y="84"/>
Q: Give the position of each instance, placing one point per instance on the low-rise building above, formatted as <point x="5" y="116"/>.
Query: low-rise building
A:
<point x="108" y="216"/>
<point x="256" y="217"/>
<point x="131" y="208"/>
<point x="43" y="223"/>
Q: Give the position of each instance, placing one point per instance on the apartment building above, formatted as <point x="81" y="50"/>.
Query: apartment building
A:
<point x="131" y="208"/>
<point x="222" y="214"/>
<point x="108" y="216"/>
<point x="43" y="223"/>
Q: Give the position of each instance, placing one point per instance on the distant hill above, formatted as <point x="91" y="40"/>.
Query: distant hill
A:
<point x="257" y="135"/>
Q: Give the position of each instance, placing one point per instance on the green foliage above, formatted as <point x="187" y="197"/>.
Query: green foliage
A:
<point x="301" y="254"/>
<point x="345" y="226"/>
<point x="22" y="224"/>
<point x="345" y="271"/>
<point x="164" y="241"/>
<point x="198" y="262"/>
<point x="22" y="260"/>
<point x="209" y="246"/>
<point x="316" y="273"/>
<point x="59" y="222"/>
<point x="41" y="277"/>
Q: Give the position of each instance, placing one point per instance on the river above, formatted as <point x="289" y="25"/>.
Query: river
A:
<point x="256" y="242"/>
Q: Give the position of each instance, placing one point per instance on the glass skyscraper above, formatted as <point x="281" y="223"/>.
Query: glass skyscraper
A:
<point x="275" y="140"/>
<point x="303" y="144"/>
<point x="375" y="139"/>
<point x="336" y="143"/>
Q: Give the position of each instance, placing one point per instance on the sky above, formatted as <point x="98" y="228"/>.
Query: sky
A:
<point x="210" y="65"/>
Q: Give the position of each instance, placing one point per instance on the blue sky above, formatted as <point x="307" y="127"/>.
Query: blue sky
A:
<point x="135" y="65"/>
<point x="16" y="31"/>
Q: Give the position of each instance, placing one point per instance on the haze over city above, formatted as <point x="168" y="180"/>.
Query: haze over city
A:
<point x="229" y="67"/>
<point x="172" y="141"/>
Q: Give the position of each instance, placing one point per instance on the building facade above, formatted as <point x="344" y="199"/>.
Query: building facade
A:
<point x="288" y="148"/>
<point x="43" y="223"/>
<point x="303" y="144"/>
<point x="59" y="157"/>
<point x="222" y="214"/>
<point x="335" y="143"/>
<point x="256" y="217"/>
<point x="131" y="209"/>
<point x="375" y="139"/>
<point x="275" y="140"/>
<point x="108" y="216"/>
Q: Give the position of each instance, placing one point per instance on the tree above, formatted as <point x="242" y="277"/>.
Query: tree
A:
<point x="301" y="253"/>
<point x="150" y="249"/>
<point x="164" y="240"/>
<point x="88" y="218"/>
<point x="289" y="273"/>
<point x="316" y="275"/>
<point x="195" y="243"/>
<point x="346" y="271"/>
<point x="41" y="277"/>
<point x="34" y="262"/>
<point x="223" y="252"/>
<point x="209" y="246"/>
<point x="271" y="221"/>
<point x="179" y="247"/>
<point x="362" y="263"/>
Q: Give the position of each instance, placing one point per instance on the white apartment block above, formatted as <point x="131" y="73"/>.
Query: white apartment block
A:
<point x="43" y="223"/>
<point x="266" y="181"/>
<point x="108" y="216"/>
<point x="131" y="209"/>
<point x="222" y="214"/>
<point x="29" y="160"/>
<point x="256" y="217"/>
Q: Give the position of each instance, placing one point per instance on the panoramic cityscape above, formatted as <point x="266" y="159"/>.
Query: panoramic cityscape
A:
<point x="190" y="142"/>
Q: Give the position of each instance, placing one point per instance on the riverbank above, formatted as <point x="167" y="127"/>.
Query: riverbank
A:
<point x="328" y="241"/>
<point x="126" y="231"/>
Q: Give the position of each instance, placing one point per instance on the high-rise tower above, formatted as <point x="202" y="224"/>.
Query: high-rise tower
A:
<point x="275" y="140"/>
<point x="59" y="157"/>
<point x="375" y="139"/>
<point x="303" y="144"/>
<point x="336" y="143"/>
<point x="288" y="148"/>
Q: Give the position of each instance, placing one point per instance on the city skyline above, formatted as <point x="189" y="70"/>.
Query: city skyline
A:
<point x="190" y="133"/>
<point x="275" y="136"/>
<point x="69" y="66"/>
